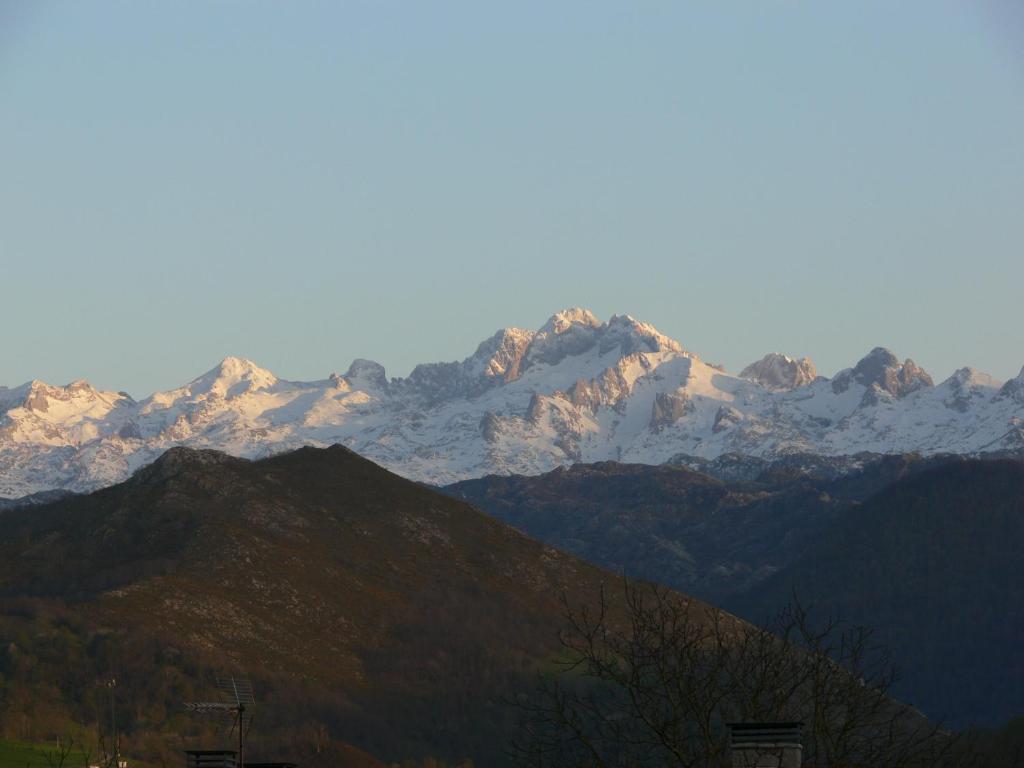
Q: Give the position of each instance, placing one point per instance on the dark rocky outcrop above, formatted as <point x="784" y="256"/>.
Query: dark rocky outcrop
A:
<point x="882" y="371"/>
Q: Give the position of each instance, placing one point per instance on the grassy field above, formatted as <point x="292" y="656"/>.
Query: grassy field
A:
<point x="17" y="754"/>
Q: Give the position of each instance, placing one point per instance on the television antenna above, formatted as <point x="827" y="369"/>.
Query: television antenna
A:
<point x="236" y="699"/>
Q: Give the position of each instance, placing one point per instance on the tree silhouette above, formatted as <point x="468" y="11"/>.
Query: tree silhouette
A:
<point x="654" y="680"/>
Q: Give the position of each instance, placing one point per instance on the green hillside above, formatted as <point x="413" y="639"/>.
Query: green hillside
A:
<point x="19" y="754"/>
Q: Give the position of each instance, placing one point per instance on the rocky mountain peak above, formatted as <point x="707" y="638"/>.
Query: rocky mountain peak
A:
<point x="779" y="372"/>
<point x="560" y="322"/>
<point x="501" y="355"/>
<point x="968" y="377"/>
<point x="574" y="332"/>
<point x="877" y="358"/>
<point x="881" y="369"/>
<point x="366" y="374"/>
<point x="524" y="401"/>
<point x="633" y="335"/>
<point x="566" y="334"/>
<point x="239" y="367"/>
<point x="38" y="396"/>
<point x="964" y="386"/>
<point x="496" y="361"/>
<point x="179" y="458"/>
<point x="233" y="376"/>
<point x="1014" y="388"/>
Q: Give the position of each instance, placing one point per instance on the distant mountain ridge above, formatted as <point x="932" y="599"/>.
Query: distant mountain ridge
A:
<point x="577" y="389"/>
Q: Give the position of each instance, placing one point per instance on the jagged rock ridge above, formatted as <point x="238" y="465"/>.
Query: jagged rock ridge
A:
<point x="577" y="389"/>
<point x="779" y="372"/>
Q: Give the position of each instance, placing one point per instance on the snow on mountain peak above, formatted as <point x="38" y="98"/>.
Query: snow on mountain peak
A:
<point x="639" y="335"/>
<point x="966" y="387"/>
<point x="524" y="402"/>
<point x="41" y="394"/>
<point x="39" y="397"/>
<point x="42" y="417"/>
<point x="574" y="332"/>
<point x="366" y="374"/>
<point x="510" y="352"/>
<point x="881" y="370"/>
<point x="497" y="360"/>
<point x="236" y="375"/>
<point x="232" y="366"/>
<point x="779" y="372"/>
<point x="965" y="378"/>
<point x="560" y="322"/>
<point x="1014" y="388"/>
<point x="501" y="354"/>
<point x="32" y="395"/>
<point x="229" y="379"/>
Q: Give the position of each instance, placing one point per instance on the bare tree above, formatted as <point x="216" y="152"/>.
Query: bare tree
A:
<point x="654" y="679"/>
<point x="69" y="753"/>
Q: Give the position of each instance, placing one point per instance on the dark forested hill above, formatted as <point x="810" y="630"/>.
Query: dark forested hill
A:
<point x="668" y="524"/>
<point x="935" y="563"/>
<point x="709" y="535"/>
<point x="369" y="609"/>
<point x="927" y="551"/>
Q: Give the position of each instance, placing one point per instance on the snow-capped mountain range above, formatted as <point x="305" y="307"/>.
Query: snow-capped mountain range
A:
<point x="578" y="389"/>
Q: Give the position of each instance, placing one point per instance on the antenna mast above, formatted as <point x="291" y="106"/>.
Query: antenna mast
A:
<point x="237" y="697"/>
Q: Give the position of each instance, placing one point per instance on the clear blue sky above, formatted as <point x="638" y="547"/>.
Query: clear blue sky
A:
<point x="303" y="183"/>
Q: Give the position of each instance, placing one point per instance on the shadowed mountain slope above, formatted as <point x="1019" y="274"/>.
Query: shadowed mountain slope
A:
<point x="666" y="524"/>
<point x="709" y="537"/>
<point x="925" y="550"/>
<point x="403" y="616"/>
<point x="933" y="562"/>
